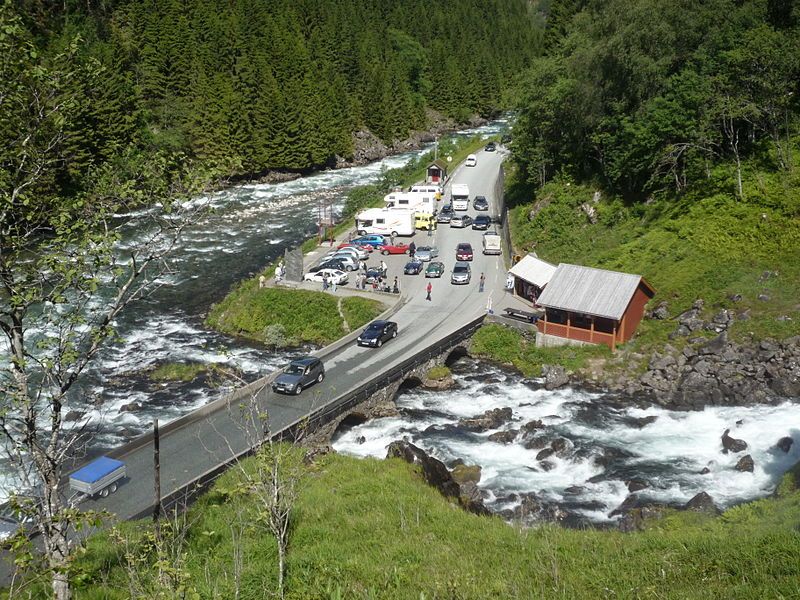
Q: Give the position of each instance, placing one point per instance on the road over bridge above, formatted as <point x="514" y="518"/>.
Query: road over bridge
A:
<point x="214" y="437"/>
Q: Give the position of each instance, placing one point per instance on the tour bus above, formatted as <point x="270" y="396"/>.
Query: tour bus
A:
<point x="459" y="194"/>
<point x="385" y="222"/>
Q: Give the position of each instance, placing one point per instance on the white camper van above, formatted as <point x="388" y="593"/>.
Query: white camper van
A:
<point x="424" y="202"/>
<point x="459" y="195"/>
<point x="436" y="190"/>
<point x="385" y="222"/>
<point x="472" y="161"/>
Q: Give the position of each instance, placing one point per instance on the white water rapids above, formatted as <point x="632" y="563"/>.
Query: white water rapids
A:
<point x="607" y="445"/>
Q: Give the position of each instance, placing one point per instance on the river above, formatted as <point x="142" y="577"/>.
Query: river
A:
<point x="607" y="443"/>
<point x="247" y="227"/>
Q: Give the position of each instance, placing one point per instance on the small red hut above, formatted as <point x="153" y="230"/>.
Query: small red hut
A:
<point x="437" y="172"/>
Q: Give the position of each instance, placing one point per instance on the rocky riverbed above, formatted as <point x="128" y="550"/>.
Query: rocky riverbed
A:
<point x="516" y="448"/>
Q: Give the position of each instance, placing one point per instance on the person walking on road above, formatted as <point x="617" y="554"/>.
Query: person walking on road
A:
<point x="333" y="284"/>
<point x="412" y="248"/>
<point x="395" y="289"/>
<point x="384" y="268"/>
<point x="428" y="288"/>
<point x="324" y="282"/>
<point x="482" y="282"/>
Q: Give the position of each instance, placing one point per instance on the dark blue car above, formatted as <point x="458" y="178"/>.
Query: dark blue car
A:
<point x="413" y="267"/>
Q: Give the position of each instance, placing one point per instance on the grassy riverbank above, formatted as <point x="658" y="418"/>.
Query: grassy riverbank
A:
<point x="373" y="529"/>
<point x="283" y="317"/>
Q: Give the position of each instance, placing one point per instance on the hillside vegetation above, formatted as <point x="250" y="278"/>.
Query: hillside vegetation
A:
<point x="372" y="529"/>
<point x="658" y="139"/>
<point x="240" y="87"/>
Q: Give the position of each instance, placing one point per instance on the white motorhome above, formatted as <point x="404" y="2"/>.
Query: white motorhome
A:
<point x="422" y="202"/>
<point x="492" y="243"/>
<point x="385" y="222"/>
<point x="459" y="195"/>
<point x="436" y="190"/>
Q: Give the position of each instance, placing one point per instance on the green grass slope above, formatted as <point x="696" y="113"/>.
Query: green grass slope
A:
<point x="371" y="529"/>
<point x="706" y="244"/>
<point x="303" y="316"/>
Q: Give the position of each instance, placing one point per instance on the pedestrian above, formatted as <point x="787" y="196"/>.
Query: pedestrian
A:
<point x="384" y="268"/>
<point x="509" y="282"/>
<point x="428" y="288"/>
<point x="482" y="282"/>
<point x="412" y="248"/>
<point x="262" y="282"/>
<point x="395" y="289"/>
<point x="333" y="284"/>
<point x="364" y="267"/>
<point x="324" y="282"/>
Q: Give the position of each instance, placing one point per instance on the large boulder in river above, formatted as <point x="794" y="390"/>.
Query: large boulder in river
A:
<point x="555" y="376"/>
<point x="730" y="444"/>
<point x="702" y="502"/>
<point x="785" y="444"/>
<point x="491" y="419"/>
<point x="466" y="473"/>
<point x="433" y="470"/>
<point x="504" y="437"/>
<point x="745" y="464"/>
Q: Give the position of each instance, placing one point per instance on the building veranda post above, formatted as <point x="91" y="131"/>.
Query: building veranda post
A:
<point x="592" y="305"/>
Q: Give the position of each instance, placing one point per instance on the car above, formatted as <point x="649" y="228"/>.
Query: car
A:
<point x="445" y="214"/>
<point x="345" y="255"/>
<point x="373" y="240"/>
<point x="461" y="274"/>
<point x="400" y="248"/>
<point x="464" y="251"/>
<point x="435" y="269"/>
<point x="376" y="333"/>
<point x="375" y="273"/>
<point x="413" y="267"/>
<point x="480" y="203"/>
<point x="334" y="276"/>
<point x="482" y="222"/>
<point x="343" y="263"/>
<point x="361" y="252"/>
<point x="426" y="253"/>
<point x="461" y="221"/>
<point x="298" y="375"/>
<point x="490" y="147"/>
<point x="351" y="244"/>
<point x="472" y="161"/>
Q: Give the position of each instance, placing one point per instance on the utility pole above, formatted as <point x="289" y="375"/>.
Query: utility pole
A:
<point x="156" y="472"/>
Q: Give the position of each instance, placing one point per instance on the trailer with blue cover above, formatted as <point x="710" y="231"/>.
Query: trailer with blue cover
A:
<point x="99" y="477"/>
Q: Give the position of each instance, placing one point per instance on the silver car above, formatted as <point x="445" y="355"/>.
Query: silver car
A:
<point x="461" y="221"/>
<point x="461" y="273"/>
<point x="426" y="253"/>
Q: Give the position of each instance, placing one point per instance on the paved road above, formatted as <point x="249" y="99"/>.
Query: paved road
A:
<point x="201" y="445"/>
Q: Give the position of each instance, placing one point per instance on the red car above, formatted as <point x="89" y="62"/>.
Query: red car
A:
<point x="393" y="249"/>
<point x="464" y="252"/>
<point x="366" y="247"/>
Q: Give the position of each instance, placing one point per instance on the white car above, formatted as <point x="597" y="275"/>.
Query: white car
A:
<point x="355" y="254"/>
<point x="334" y="276"/>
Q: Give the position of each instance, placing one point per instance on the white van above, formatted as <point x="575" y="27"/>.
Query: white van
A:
<point x="472" y="161"/>
<point x="492" y="243"/>
<point x="459" y="196"/>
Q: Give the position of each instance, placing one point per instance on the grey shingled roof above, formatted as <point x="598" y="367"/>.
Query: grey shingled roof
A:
<point x="590" y="291"/>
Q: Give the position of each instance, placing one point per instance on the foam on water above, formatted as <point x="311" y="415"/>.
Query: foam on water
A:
<point x="607" y="448"/>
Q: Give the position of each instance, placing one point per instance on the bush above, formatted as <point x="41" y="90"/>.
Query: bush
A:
<point x="360" y="311"/>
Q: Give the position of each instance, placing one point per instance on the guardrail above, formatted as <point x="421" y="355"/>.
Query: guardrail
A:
<point x="186" y="493"/>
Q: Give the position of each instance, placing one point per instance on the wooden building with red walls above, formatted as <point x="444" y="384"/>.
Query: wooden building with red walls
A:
<point x="593" y="305"/>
